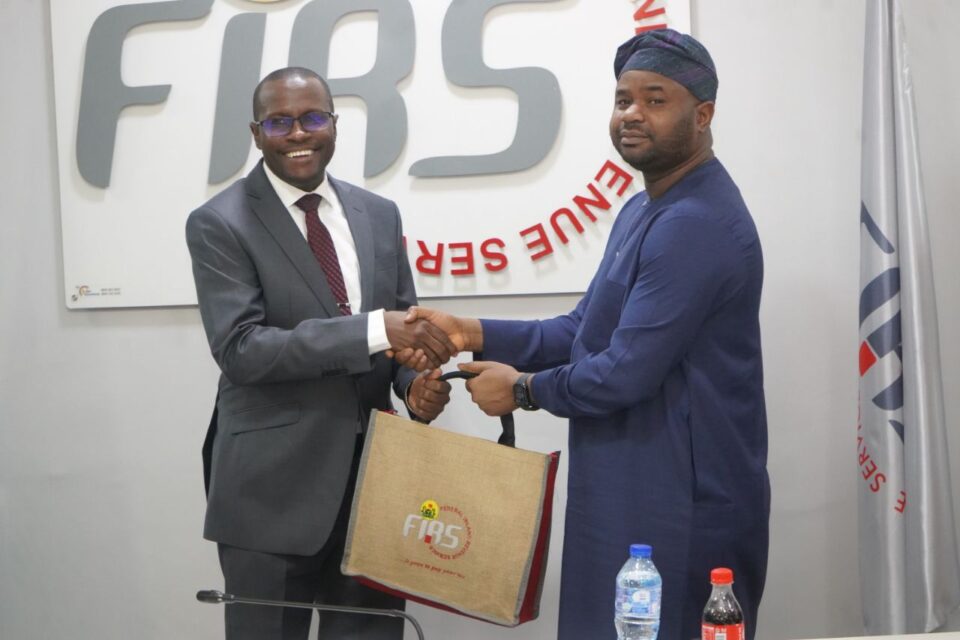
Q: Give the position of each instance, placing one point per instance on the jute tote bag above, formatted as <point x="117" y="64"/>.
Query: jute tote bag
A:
<point x="451" y="521"/>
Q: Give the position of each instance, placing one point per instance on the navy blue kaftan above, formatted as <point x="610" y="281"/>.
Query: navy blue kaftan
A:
<point x="659" y="370"/>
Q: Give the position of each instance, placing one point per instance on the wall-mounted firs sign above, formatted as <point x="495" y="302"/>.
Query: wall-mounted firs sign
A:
<point x="485" y="120"/>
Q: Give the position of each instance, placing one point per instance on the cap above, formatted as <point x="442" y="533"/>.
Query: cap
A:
<point x="640" y="551"/>
<point x="721" y="575"/>
<point x="676" y="55"/>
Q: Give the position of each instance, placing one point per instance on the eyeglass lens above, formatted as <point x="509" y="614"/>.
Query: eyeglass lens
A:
<point x="282" y="125"/>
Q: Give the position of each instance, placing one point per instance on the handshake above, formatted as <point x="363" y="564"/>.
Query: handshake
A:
<point x="424" y="339"/>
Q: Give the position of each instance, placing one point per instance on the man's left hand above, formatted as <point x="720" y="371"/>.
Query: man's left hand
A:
<point x="428" y="395"/>
<point x="492" y="390"/>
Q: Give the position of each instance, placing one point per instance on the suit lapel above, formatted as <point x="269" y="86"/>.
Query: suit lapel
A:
<point x="275" y="217"/>
<point x="360" y="228"/>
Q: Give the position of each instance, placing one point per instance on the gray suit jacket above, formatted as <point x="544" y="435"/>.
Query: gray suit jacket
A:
<point x="296" y="376"/>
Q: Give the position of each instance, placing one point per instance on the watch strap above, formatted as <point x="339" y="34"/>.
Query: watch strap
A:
<point x="522" y="394"/>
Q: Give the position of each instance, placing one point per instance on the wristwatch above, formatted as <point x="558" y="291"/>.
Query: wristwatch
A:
<point x="521" y="393"/>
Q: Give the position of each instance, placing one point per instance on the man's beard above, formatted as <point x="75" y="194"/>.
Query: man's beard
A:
<point x="666" y="151"/>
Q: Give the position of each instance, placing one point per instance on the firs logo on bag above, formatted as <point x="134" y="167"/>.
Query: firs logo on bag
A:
<point x="448" y="536"/>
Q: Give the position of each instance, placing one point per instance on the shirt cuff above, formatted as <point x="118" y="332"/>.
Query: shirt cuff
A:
<point x="376" y="332"/>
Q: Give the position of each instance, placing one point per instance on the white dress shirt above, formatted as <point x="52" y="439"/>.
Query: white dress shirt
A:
<point x="332" y="216"/>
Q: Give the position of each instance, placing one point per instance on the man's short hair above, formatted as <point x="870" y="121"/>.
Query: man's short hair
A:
<point x="283" y="74"/>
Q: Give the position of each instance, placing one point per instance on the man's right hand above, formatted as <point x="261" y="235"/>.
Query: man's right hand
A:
<point x="465" y="333"/>
<point x="428" y="346"/>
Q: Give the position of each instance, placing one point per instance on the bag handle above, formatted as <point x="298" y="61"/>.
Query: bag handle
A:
<point x="507" y="435"/>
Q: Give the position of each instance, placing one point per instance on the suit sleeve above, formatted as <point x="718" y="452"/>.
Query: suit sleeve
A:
<point x="688" y="267"/>
<point x="231" y="300"/>
<point x="406" y="298"/>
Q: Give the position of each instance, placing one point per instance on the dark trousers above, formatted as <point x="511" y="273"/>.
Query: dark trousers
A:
<point x="314" y="578"/>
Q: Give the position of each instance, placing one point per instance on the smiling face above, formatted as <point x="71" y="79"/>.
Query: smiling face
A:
<point x="656" y="123"/>
<point x="299" y="158"/>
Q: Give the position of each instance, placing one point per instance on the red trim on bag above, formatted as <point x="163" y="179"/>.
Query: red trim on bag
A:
<point x="530" y="608"/>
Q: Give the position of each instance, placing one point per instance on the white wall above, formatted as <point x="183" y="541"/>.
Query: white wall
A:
<point x="102" y="413"/>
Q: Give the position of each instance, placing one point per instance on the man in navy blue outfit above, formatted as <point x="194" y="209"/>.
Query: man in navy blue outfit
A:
<point x="658" y="367"/>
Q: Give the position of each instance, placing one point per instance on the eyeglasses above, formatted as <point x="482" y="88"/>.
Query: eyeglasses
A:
<point x="283" y="125"/>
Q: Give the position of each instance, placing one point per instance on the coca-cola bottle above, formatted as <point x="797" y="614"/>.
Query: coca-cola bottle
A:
<point x="722" y="617"/>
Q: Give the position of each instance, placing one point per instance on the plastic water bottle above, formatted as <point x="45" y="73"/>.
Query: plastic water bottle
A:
<point x="639" y="586"/>
<point x="722" y="617"/>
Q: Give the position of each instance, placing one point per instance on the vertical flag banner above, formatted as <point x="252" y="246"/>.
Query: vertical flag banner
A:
<point x="909" y="569"/>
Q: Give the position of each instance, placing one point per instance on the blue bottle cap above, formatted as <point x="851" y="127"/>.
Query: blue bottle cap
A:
<point x="641" y="551"/>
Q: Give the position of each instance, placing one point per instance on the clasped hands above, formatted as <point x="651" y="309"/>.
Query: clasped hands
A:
<point x="423" y="339"/>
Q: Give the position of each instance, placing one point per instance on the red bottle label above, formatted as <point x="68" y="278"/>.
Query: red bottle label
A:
<point x="721" y="631"/>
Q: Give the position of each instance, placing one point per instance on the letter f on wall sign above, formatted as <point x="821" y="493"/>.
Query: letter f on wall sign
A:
<point x="104" y="95"/>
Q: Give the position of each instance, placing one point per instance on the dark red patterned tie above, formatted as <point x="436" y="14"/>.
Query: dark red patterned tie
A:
<point x="318" y="237"/>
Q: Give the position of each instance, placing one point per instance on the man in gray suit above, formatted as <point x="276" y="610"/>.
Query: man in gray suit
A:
<point x="302" y="281"/>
